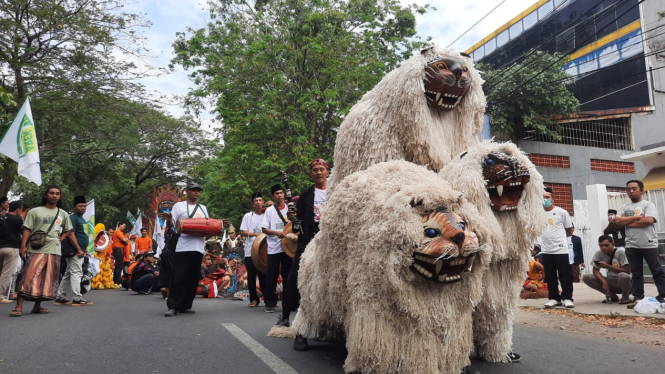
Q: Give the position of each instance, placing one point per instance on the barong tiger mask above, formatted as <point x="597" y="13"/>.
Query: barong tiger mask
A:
<point x="447" y="250"/>
<point x="506" y="177"/>
<point x="447" y="80"/>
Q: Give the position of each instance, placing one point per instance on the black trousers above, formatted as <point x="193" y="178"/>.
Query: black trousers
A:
<point x="291" y="293"/>
<point x="185" y="281"/>
<point x="274" y="262"/>
<point x="166" y="264"/>
<point x="636" y="257"/>
<point x="251" y="280"/>
<point x="557" y="269"/>
<point x="118" y="257"/>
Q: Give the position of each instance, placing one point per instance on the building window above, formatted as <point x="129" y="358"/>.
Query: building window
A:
<point x="613" y="166"/>
<point x="530" y="20"/>
<point x="516" y="29"/>
<point x="502" y="39"/>
<point x="545" y="10"/>
<point x="563" y="195"/>
<point x="610" y="133"/>
<point x="550" y="161"/>
<point x="479" y="53"/>
<point x="490" y="46"/>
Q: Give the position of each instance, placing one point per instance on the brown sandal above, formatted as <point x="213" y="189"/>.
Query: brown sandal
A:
<point x="16" y="313"/>
<point x="39" y="311"/>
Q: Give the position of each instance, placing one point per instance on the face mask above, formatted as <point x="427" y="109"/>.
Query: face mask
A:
<point x="547" y="203"/>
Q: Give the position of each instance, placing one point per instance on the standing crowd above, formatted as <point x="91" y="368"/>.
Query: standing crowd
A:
<point x="629" y="241"/>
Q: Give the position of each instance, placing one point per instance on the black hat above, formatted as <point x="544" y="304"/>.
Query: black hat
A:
<point x="148" y="254"/>
<point x="194" y="186"/>
<point x="612" y="211"/>
<point x="53" y="187"/>
<point x="275" y="188"/>
<point x="79" y="200"/>
<point x="257" y="194"/>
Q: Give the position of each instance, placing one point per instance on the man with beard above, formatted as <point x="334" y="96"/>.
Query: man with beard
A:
<point x="251" y="228"/>
<point x="308" y="212"/>
<point x="639" y="219"/>
<point x="39" y="276"/>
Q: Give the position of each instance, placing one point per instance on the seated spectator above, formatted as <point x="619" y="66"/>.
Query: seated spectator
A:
<point x="144" y="276"/>
<point x="535" y="277"/>
<point x="216" y="278"/>
<point x="618" y="278"/>
<point x="535" y="252"/>
<point x="127" y="275"/>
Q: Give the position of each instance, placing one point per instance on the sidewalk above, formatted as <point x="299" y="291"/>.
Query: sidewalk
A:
<point x="588" y="301"/>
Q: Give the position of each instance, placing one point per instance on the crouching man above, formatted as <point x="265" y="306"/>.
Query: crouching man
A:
<point x="618" y="279"/>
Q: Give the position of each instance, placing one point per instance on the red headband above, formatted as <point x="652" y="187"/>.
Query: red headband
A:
<point x="319" y="161"/>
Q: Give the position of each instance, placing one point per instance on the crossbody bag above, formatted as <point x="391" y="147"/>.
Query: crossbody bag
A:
<point x="37" y="238"/>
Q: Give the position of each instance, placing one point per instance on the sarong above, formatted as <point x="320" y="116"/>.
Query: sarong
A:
<point x="40" y="277"/>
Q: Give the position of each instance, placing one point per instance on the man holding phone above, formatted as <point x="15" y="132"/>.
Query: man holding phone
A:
<point x="618" y="279"/>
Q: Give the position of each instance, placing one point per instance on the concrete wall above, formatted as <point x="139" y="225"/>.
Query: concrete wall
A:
<point x="580" y="174"/>
<point x="649" y="129"/>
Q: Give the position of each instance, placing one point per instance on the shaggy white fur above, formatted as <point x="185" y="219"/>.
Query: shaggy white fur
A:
<point x="493" y="318"/>
<point x="393" y="121"/>
<point x="356" y="277"/>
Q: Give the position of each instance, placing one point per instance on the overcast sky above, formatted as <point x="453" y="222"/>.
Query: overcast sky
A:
<point x="445" y="24"/>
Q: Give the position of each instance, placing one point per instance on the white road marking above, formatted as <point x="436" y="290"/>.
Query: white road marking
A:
<point x="273" y="362"/>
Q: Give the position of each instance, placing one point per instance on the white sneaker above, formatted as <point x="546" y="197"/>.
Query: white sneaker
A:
<point x="552" y="304"/>
<point x="568" y="304"/>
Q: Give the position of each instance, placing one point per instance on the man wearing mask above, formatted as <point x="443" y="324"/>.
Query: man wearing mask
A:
<point x="554" y="249"/>
<point x="617" y="232"/>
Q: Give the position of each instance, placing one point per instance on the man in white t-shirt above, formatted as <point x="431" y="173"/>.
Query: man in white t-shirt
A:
<point x="554" y="249"/>
<point x="251" y="228"/>
<point x="274" y="220"/>
<point x="188" y="254"/>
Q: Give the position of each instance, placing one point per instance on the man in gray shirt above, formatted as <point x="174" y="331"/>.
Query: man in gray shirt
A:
<point x="639" y="218"/>
<point x="618" y="278"/>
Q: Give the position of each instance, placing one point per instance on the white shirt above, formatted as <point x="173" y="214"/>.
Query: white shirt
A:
<point x="319" y="202"/>
<point x="272" y="221"/>
<point x="189" y="243"/>
<point x="571" y="252"/>
<point x="554" y="236"/>
<point x="251" y="222"/>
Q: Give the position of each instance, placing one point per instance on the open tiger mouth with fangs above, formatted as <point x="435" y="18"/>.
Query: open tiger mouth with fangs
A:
<point x="506" y="194"/>
<point x="442" y="270"/>
<point x="446" y="100"/>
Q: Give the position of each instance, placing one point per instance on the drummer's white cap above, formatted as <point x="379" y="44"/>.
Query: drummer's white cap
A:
<point x="193" y="186"/>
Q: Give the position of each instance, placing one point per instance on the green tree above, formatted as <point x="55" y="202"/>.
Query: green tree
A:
<point x="282" y="75"/>
<point x="99" y="134"/>
<point x="65" y="55"/>
<point x="529" y="96"/>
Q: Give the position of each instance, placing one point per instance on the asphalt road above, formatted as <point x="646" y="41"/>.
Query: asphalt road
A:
<point x="127" y="333"/>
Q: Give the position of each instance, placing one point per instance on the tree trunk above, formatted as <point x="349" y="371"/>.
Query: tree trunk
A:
<point x="9" y="169"/>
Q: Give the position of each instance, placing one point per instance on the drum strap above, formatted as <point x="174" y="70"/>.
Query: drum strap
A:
<point x="280" y="214"/>
<point x="194" y="212"/>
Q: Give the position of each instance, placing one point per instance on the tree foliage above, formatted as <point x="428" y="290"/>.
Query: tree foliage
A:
<point x="282" y="75"/>
<point x="98" y="132"/>
<point x="529" y="96"/>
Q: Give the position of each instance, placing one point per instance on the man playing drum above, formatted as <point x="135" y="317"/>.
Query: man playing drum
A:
<point x="251" y="228"/>
<point x="188" y="254"/>
<point x="273" y="224"/>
